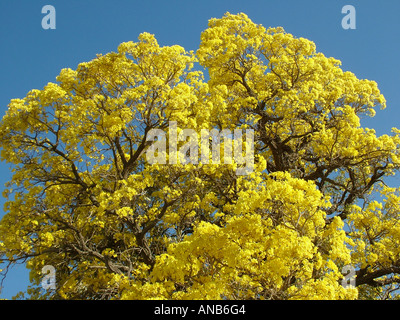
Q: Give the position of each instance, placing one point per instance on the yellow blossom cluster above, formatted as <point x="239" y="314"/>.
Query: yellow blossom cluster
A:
<point x="84" y="199"/>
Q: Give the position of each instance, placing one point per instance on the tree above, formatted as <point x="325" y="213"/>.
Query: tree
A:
<point x="84" y="199"/>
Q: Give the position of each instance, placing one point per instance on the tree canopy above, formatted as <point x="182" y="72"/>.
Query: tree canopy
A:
<point x="85" y="199"/>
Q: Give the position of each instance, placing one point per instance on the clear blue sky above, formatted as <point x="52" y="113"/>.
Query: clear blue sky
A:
<point x="31" y="56"/>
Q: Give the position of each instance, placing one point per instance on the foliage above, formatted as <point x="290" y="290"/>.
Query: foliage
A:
<point x="84" y="199"/>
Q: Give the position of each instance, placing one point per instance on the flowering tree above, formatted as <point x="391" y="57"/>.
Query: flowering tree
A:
<point x="84" y="199"/>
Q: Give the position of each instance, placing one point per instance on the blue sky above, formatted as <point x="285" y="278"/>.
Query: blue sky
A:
<point x="31" y="56"/>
